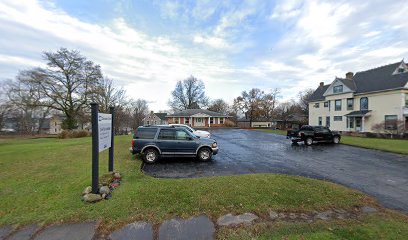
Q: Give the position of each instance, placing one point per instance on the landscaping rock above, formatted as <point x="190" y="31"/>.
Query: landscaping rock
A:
<point x="25" y="233"/>
<point x="106" y="179"/>
<point x="292" y="216"/>
<point x="199" y="227"/>
<point x="4" y="231"/>
<point x="116" y="175"/>
<point x="91" y="197"/>
<point x="230" y="219"/>
<point x="136" y="230"/>
<point x="368" y="209"/>
<point x="273" y="215"/>
<point x="87" y="190"/>
<point x="104" y="190"/>
<point x="77" y="231"/>
<point x="304" y="216"/>
<point x="324" y="215"/>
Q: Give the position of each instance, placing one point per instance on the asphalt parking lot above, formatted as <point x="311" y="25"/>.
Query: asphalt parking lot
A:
<point x="379" y="174"/>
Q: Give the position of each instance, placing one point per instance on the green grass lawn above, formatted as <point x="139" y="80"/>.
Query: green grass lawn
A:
<point x="389" y="145"/>
<point x="41" y="181"/>
<point x="377" y="226"/>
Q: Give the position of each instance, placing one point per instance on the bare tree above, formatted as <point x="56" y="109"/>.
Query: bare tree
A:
<point x="67" y="83"/>
<point x="188" y="94"/>
<point x="269" y="103"/>
<point x="219" y="105"/>
<point x="106" y="95"/>
<point x="249" y="103"/>
<point x="25" y="99"/>
<point x="139" y="110"/>
<point x="304" y="97"/>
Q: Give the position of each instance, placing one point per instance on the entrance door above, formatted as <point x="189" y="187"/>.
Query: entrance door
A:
<point x="358" y="123"/>
<point x="406" y="124"/>
<point x="199" y="122"/>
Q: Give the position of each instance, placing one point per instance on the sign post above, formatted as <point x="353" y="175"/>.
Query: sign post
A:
<point x="102" y="139"/>
<point x="95" y="146"/>
<point x="111" y="149"/>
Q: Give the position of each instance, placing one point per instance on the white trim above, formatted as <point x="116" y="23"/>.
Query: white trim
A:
<point x="329" y="90"/>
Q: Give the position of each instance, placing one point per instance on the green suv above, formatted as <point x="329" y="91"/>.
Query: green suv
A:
<point x="170" y="141"/>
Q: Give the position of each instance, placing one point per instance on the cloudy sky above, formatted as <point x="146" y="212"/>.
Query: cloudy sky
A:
<point x="146" y="46"/>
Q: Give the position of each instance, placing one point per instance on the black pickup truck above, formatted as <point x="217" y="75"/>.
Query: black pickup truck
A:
<point x="310" y="134"/>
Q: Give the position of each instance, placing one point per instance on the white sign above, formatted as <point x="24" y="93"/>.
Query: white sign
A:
<point x="104" y="131"/>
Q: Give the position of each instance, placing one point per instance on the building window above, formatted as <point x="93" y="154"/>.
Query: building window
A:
<point x="337" y="105"/>
<point x="364" y="103"/>
<point x="337" y="118"/>
<point x="391" y="122"/>
<point x="406" y="100"/>
<point x="187" y="120"/>
<point x="221" y="120"/>
<point x="320" y="121"/>
<point x="211" y="120"/>
<point x="326" y="104"/>
<point x="316" y="105"/>
<point x="148" y="122"/>
<point x="350" y="104"/>
<point x="338" y="89"/>
<point x="327" y="121"/>
<point x="198" y="119"/>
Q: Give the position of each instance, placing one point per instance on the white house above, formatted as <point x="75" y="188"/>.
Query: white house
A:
<point x="198" y="118"/>
<point x="358" y="102"/>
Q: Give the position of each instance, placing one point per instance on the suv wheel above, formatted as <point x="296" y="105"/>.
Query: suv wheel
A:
<point x="204" y="154"/>
<point x="309" y="141"/>
<point x="336" y="140"/>
<point x="150" y="155"/>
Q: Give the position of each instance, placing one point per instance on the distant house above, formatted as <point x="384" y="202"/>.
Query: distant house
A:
<point x="358" y="102"/>
<point x="155" y="119"/>
<point x="258" y="122"/>
<point x="199" y="118"/>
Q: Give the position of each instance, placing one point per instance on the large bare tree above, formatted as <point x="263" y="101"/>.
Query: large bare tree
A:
<point x="188" y="94"/>
<point x="67" y="83"/>
<point x="219" y="105"/>
<point x="249" y="103"/>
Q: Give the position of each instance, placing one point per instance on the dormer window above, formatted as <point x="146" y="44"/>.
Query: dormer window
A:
<point x="401" y="70"/>
<point x="338" y="89"/>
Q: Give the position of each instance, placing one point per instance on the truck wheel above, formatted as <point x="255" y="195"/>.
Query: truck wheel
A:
<point x="204" y="154"/>
<point x="308" y="141"/>
<point x="336" y="140"/>
<point x="150" y="155"/>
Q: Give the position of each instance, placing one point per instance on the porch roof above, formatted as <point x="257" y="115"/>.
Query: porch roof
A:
<point x="361" y="113"/>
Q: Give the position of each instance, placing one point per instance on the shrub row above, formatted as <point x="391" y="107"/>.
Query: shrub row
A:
<point x="73" y="134"/>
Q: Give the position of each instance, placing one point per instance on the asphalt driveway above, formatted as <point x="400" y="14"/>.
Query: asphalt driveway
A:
<point x="379" y="174"/>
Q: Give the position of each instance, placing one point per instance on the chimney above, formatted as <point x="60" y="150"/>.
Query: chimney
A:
<point x="321" y="84"/>
<point x="349" y="75"/>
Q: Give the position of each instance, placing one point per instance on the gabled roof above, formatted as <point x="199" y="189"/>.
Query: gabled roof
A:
<point x="348" y="83"/>
<point x="162" y="116"/>
<point x="373" y="80"/>
<point x="379" y="79"/>
<point x="318" y="93"/>
<point x="191" y="112"/>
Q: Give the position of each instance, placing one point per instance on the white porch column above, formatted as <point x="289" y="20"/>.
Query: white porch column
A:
<point x="209" y="124"/>
<point x="362" y="124"/>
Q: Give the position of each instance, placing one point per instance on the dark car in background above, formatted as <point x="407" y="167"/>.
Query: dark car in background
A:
<point x="154" y="142"/>
<point x="310" y="134"/>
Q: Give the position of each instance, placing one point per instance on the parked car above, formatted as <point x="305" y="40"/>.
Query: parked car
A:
<point x="310" y="134"/>
<point x="171" y="141"/>
<point x="199" y="133"/>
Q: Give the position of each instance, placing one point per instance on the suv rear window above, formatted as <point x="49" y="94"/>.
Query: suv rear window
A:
<point x="145" y="133"/>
